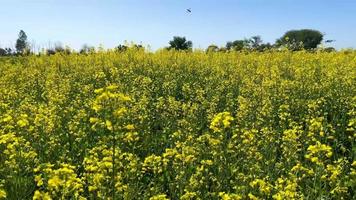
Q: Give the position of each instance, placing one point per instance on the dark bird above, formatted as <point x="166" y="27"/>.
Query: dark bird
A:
<point x="189" y="10"/>
<point x="329" y="41"/>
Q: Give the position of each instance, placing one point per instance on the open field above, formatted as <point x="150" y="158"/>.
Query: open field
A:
<point x="177" y="125"/>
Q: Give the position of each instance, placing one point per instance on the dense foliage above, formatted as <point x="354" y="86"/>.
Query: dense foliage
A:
<point x="180" y="43"/>
<point x="301" y="39"/>
<point x="178" y="125"/>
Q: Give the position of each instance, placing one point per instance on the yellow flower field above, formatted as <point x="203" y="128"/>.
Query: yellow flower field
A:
<point x="178" y="125"/>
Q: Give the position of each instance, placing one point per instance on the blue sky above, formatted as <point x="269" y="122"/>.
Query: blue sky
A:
<point x="155" y="22"/>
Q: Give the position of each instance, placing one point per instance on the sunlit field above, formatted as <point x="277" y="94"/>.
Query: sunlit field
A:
<point x="178" y="125"/>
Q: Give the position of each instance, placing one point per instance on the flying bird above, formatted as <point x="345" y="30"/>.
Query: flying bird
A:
<point x="189" y="10"/>
<point x="329" y="41"/>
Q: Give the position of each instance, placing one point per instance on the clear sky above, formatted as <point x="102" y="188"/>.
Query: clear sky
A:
<point x="155" y="22"/>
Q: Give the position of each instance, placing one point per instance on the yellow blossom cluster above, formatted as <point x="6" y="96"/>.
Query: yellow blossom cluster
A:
<point x="62" y="182"/>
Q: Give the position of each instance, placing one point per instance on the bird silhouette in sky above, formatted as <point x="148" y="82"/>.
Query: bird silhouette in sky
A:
<point x="189" y="10"/>
<point x="329" y="41"/>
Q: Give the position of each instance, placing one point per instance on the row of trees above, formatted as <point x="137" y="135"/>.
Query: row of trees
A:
<point x="293" y="40"/>
<point x="254" y="43"/>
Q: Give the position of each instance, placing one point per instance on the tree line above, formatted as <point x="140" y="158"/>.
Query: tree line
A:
<point x="293" y="40"/>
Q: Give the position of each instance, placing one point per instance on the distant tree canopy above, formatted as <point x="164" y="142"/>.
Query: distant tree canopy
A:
<point x="254" y="43"/>
<point x="6" y="52"/>
<point x="125" y="47"/>
<point x="2" y="52"/>
<point x="138" y="47"/>
<point x="237" y="45"/>
<point x="265" y="46"/>
<point x="304" y="38"/>
<point x="21" y="43"/>
<point x="293" y="40"/>
<point x="121" y="48"/>
<point x="329" y="49"/>
<point x="58" y="48"/>
<point x="212" y="48"/>
<point x="180" y="43"/>
<point x="86" y="49"/>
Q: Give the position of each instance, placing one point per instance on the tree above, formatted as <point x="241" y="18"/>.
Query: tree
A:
<point x="9" y="51"/>
<point x="212" y="48"/>
<point x="86" y="49"/>
<point x="3" y="52"/>
<point x="138" y="47"/>
<point x="121" y="48"/>
<point x="237" y="45"/>
<point x="180" y="43"/>
<point x="264" y="47"/>
<point x="58" y="48"/>
<point x="255" y="42"/>
<point x="329" y="49"/>
<point x="21" y="43"/>
<point x="307" y="38"/>
<point x="50" y="51"/>
<point x="223" y="49"/>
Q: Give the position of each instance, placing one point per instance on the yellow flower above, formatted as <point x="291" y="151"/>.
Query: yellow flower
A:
<point x="120" y="112"/>
<point x="131" y="137"/>
<point x="263" y="186"/>
<point x="92" y="188"/>
<point x="111" y="87"/>
<point x="54" y="182"/>
<point x="221" y="121"/>
<point x="99" y="91"/>
<point x="109" y="125"/>
<point x="39" y="180"/>
<point x="225" y="196"/>
<point x="2" y="194"/>
<point x="159" y="197"/>
<point x="7" y="118"/>
<point x="353" y="164"/>
<point x="97" y="107"/>
<point x="207" y="162"/>
<point x="94" y="120"/>
<point x="130" y="127"/>
<point x="22" y="123"/>
<point x="252" y="197"/>
<point x="317" y="151"/>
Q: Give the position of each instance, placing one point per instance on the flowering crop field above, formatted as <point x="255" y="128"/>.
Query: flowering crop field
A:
<point x="176" y="125"/>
